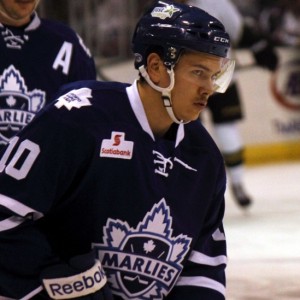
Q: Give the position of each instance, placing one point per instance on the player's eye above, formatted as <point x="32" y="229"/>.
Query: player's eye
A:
<point x="215" y="76"/>
<point x="199" y="72"/>
<point x="205" y="75"/>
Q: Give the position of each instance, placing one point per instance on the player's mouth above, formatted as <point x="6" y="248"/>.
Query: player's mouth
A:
<point x="201" y="103"/>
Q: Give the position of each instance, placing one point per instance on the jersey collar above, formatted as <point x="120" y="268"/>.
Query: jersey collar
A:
<point x="35" y="22"/>
<point x="138" y="109"/>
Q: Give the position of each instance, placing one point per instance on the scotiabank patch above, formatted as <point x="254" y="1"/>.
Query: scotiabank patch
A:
<point x="117" y="146"/>
<point x="143" y="262"/>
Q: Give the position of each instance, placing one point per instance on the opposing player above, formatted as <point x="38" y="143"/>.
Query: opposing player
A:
<point x="116" y="191"/>
<point x="281" y="21"/>
<point x="37" y="57"/>
<point x="226" y="109"/>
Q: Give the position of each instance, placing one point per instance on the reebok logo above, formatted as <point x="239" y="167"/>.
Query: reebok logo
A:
<point x="78" y="285"/>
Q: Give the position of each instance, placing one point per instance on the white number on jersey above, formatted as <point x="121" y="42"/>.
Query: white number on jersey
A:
<point x="26" y="147"/>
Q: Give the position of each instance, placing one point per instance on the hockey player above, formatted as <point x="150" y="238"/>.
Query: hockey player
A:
<point x="226" y="109"/>
<point x="281" y="21"/>
<point x="116" y="191"/>
<point x="37" y="57"/>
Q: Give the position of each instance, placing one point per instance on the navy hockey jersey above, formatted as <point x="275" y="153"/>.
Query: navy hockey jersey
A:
<point x="34" y="62"/>
<point x="88" y="173"/>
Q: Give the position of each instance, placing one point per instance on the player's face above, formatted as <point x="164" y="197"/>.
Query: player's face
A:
<point x="16" y="12"/>
<point x="194" y="82"/>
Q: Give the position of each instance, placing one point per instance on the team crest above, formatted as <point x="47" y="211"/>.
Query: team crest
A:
<point x="18" y="106"/>
<point x="143" y="262"/>
<point x="164" y="12"/>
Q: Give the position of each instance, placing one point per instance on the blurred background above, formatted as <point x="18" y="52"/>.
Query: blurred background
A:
<point x="264" y="240"/>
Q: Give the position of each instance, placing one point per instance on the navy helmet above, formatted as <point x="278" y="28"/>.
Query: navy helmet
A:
<point x="175" y="27"/>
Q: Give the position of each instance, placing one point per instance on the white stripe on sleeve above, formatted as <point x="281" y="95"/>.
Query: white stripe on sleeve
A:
<point x="11" y="223"/>
<point x="201" y="281"/>
<point x="200" y="258"/>
<point x="19" y="208"/>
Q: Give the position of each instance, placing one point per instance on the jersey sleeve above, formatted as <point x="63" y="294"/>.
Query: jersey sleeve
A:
<point x="83" y="65"/>
<point x="203" y="276"/>
<point x="30" y="180"/>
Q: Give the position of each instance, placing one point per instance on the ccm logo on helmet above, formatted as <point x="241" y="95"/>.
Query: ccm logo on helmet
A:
<point x="78" y="285"/>
<point x="221" y="39"/>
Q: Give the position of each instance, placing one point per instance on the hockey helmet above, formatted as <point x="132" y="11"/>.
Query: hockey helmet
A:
<point x="175" y="27"/>
<point x="169" y="28"/>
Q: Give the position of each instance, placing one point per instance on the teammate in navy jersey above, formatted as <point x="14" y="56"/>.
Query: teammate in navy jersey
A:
<point x="37" y="57"/>
<point x="116" y="191"/>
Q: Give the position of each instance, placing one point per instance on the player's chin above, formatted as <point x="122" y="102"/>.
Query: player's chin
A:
<point x="197" y="111"/>
<point x="196" y="117"/>
<point x="191" y="116"/>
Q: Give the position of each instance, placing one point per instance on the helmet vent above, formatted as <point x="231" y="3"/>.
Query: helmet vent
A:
<point x="201" y="35"/>
<point x="215" y="26"/>
<point x="204" y="35"/>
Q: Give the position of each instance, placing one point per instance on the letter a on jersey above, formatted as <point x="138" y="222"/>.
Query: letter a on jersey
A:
<point x="63" y="58"/>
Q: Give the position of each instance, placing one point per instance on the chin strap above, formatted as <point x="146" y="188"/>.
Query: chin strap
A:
<point x="165" y="92"/>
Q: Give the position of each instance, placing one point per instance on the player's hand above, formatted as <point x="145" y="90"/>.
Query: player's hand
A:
<point x="265" y="55"/>
<point x="82" y="278"/>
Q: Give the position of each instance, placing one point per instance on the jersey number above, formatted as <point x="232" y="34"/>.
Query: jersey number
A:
<point x="17" y="168"/>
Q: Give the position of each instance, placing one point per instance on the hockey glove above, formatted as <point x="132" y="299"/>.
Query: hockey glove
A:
<point x="265" y="55"/>
<point x="83" y="277"/>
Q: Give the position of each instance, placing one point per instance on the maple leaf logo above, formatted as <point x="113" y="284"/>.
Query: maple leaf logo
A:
<point x="134" y="258"/>
<point x="18" y="104"/>
<point x="75" y="98"/>
<point x="149" y="246"/>
<point x="11" y="101"/>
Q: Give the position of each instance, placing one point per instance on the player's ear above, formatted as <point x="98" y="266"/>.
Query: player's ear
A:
<point x="155" y="67"/>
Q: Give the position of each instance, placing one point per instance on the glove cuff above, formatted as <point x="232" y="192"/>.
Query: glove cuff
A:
<point x="85" y="283"/>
